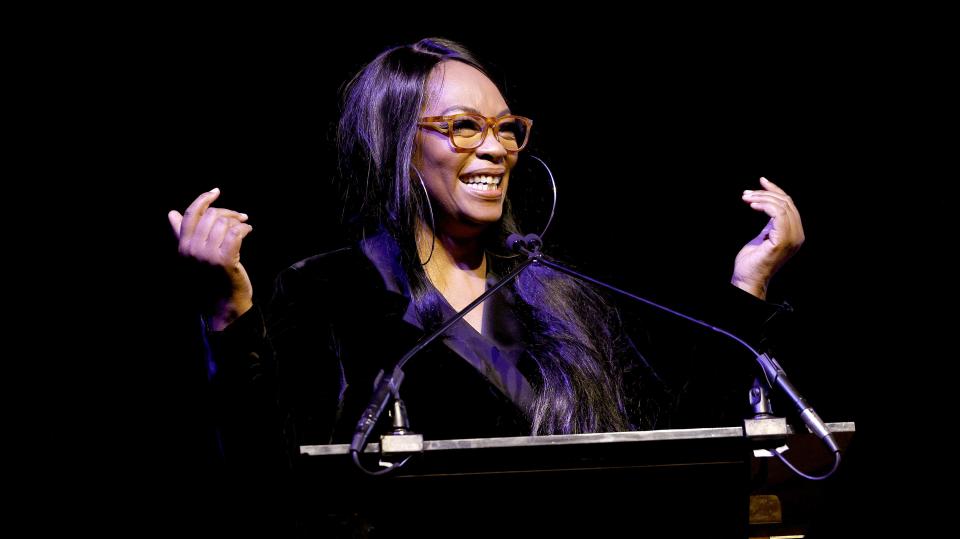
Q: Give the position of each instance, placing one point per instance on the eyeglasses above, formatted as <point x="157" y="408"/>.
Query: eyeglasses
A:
<point x="468" y="131"/>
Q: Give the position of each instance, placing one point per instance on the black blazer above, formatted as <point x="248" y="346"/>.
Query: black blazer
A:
<point x="303" y="373"/>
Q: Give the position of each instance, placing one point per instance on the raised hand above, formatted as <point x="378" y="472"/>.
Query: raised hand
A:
<point x="782" y="236"/>
<point x="213" y="236"/>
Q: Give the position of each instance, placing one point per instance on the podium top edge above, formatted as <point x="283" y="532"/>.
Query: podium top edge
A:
<point x="568" y="439"/>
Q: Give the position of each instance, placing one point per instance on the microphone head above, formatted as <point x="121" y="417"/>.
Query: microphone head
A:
<point x="533" y="242"/>
<point x="515" y="242"/>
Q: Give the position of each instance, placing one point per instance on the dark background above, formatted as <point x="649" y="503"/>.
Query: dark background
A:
<point x="651" y="145"/>
<point x="652" y="136"/>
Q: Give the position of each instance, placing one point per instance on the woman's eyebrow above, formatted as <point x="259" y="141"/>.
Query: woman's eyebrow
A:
<point x="465" y="108"/>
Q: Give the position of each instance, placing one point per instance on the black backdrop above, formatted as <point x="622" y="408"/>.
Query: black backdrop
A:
<point x="651" y="201"/>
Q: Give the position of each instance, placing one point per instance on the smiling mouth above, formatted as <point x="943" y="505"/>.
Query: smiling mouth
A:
<point x="482" y="183"/>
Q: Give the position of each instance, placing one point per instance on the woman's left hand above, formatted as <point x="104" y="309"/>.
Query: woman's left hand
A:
<point x="778" y="241"/>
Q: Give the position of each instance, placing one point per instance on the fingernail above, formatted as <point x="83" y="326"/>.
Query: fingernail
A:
<point x="747" y="192"/>
<point x="215" y="190"/>
<point x="244" y="216"/>
<point x="763" y="179"/>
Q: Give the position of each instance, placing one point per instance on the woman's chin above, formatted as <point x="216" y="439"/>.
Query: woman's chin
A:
<point x="486" y="219"/>
<point x="473" y="224"/>
<point x="480" y="215"/>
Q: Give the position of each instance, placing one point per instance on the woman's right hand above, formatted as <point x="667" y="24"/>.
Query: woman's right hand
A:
<point x="212" y="236"/>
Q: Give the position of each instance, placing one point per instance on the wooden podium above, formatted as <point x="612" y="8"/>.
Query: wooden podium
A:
<point x="665" y="483"/>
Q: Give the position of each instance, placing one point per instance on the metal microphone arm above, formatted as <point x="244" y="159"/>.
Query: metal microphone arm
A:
<point x="389" y="385"/>
<point x="776" y="377"/>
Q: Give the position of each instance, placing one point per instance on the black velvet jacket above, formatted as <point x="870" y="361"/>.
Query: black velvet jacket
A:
<point x="303" y="373"/>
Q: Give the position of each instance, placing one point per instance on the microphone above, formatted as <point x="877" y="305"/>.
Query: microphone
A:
<point x="383" y="388"/>
<point x="530" y="245"/>
<point x="775" y="375"/>
<point x="517" y="243"/>
<point x="386" y="386"/>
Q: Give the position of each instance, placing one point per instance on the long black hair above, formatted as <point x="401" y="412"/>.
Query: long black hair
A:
<point x="570" y="331"/>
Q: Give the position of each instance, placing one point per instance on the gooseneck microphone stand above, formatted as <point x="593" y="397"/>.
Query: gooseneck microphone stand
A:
<point x="386" y="386"/>
<point x="774" y="374"/>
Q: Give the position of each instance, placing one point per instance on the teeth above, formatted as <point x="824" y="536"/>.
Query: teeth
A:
<point x="478" y="181"/>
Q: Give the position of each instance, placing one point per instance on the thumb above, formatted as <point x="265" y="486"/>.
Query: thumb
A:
<point x="175" y="219"/>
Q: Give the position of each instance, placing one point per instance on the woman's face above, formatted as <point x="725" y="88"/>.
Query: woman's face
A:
<point x="467" y="187"/>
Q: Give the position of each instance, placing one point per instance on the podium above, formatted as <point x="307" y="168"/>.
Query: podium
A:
<point x="676" y="483"/>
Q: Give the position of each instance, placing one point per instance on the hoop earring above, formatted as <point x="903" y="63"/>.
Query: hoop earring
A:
<point x="553" y="187"/>
<point x="433" y="224"/>
<point x="553" y="205"/>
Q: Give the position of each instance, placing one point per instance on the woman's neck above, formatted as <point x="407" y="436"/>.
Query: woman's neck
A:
<point x="446" y="253"/>
<point x="457" y="267"/>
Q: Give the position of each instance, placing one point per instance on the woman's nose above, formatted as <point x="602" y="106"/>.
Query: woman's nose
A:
<point x="491" y="148"/>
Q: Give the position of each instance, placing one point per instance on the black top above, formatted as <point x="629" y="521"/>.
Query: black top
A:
<point x="495" y="351"/>
<point x="304" y="373"/>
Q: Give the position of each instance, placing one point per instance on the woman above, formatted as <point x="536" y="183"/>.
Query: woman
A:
<point x="428" y="144"/>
